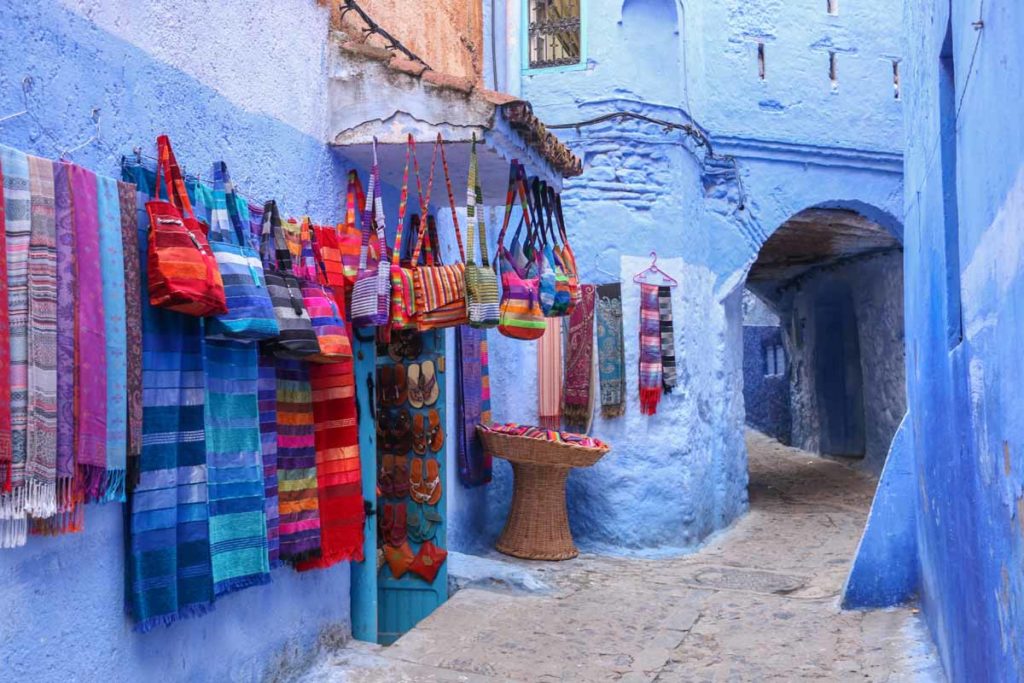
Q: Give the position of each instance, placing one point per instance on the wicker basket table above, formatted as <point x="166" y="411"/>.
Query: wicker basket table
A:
<point x="537" y="527"/>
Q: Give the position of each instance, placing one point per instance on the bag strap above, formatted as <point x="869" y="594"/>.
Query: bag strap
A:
<point x="424" y="206"/>
<point x="167" y="166"/>
<point x="451" y="196"/>
<point x="403" y="201"/>
<point x="474" y="201"/>
<point x="510" y="197"/>
<point x="540" y="234"/>
<point x="319" y="268"/>
<point x="547" y="205"/>
<point x="555" y="200"/>
<point x="366" y="223"/>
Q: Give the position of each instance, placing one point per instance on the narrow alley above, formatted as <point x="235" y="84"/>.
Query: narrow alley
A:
<point x="759" y="602"/>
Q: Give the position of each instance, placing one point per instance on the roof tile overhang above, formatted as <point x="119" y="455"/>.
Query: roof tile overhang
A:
<point x="376" y="93"/>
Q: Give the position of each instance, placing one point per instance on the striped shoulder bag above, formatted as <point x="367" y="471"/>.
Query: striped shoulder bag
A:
<point x="481" y="281"/>
<point x="521" y="316"/>
<point x="372" y="289"/>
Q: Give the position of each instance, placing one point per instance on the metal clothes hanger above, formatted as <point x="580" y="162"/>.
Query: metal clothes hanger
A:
<point x="668" y="280"/>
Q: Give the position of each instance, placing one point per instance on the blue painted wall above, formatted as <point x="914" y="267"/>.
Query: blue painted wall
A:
<point x="240" y="81"/>
<point x="765" y="397"/>
<point x="965" y="398"/>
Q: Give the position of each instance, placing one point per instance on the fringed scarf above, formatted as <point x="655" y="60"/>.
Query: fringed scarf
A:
<point x="474" y="404"/>
<point x="238" y="532"/>
<point x="267" y="395"/>
<point x="168" y="564"/>
<point x="339" y="484"/>
<point x="577" y="399"/>
<point x="90" y="336"/>
<point x="611" y="350"/>
<point x="296" y="463"/>
<point x="650" y="350"/>
<point x="668" y="339"/>
<point x="67" y="297"/>
<point x="133" y="327"/>
<point x="5" y="360"/>
<point x="18" y="229"/>
<point x="549" y="376"/>
<point x="115" y="335"/>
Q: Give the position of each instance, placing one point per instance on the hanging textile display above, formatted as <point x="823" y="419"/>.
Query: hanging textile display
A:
<point x="668" y="339"/>
<point x="474" y="401"/>
<point x="238" y="533"/>
<point x="66" y="305"/>
<point x="339" y="485"/>
<point x="169" y="570"/>
<point x="521" y="316"/>
<point x="611" y="350"/>
<point x="650" y="350"/>
<point x="549" y="377"/>
<point x="482" y="298"/>
<point x="299" y="524"/>
<point x="112" y="266"/>
<point x="297" y="338"/>
<point x="267" y="397"/>
<point x="133" y="327"/>
<point x="578" y="396"/>
<point x="5" y="358"/>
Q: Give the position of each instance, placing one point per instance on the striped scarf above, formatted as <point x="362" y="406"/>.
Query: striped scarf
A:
<point x="168" y="564"/>
<point x="5" y="359"/>
<point x="133" y="327"/>
<point x="549" y="376"/>
<point x="474" y="404"/>
<point x="296" y="463"/>
<point x="611" y="350"/>
<point x="115" y="335"/>
<point x="668" y="340"/>
<point x="90" y="334"/>
<point x="579" y="366"/>
<point x="238" y="533"/>
<point x="650" y="350"/>
<point x="267" y="395"/>
<point x="339" y="485"/>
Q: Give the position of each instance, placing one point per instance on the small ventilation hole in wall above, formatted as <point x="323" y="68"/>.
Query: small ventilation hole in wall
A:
<point x="896" y="78"/>
<point x="760" y="61"/>
<point x="833" y="7"/>
<point x="832" y="76"/>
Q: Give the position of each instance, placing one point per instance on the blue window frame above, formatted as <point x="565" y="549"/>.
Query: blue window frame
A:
<point x="554" y="35"/>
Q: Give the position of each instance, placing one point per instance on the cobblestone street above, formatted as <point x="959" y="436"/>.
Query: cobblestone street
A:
<point x="758" y="603"/>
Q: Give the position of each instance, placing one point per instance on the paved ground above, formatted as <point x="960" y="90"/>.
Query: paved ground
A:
<point x="758" y="603"/>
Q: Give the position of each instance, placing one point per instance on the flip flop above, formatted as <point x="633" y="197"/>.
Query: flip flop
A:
<point x="420" y="528"/>
<point x="433" y="480"/>
<point x="386" y="477"/>
<point x="416" y="481"/>
<point x="402" y="433"/>
<point x="428" y="383"/>
<point x="385" y="381"/>
<point x="419" y="434"/>
<point x="415" y="387"/>
<point x="400" y="388"/>
<point x="412" y="344"/>
<point x="401" y="477"/>
<point x="387" y="522"/>
<point x="435" y="435"/>
<point x="398" y="531"/>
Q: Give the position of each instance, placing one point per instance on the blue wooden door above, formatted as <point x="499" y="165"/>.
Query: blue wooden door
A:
<point x="403" y="602"/>
<point x="364" y="574"/>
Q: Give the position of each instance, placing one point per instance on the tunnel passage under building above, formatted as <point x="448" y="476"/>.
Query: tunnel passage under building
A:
<point x="834" y="279"/>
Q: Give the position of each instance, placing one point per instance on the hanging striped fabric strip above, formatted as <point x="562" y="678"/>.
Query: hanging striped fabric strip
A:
<point x="133" y="327"/>
<point x="67" y="296"/>
<point x="549" y="377"/>
<point x="267" y="395"/>
<point x="668" y="339"/>
<point x="5" y="355"/>
<point x="650" y="350"/>
<point x="296" y="463"/>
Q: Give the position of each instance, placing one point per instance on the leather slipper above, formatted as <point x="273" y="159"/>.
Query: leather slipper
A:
<point x="435" y="434"/>
<point x="428" y="383"/>
<point x="433" y="476"/>
<point x="419" y="434"/>
<point x="414" y="386"/>
<point x="400" y="388"/>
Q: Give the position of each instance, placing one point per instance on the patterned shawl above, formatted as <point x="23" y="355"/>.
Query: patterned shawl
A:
<point x="650" y="350"/>
<point x="90" y="334"/>
<point x="474" y="403"/>
<point x="115" y="331"/>
<point x="67" y="297"/>
<point x="296" y="463"/>
<point x="339" y="485"/>
<point x="41" y="441"/>
<point x="611" y="350"/>
<point x="168" y="563"/>
<point x="5" y="358"/>
<point x="133" y="327"/>
<point x="668" y="339"/>
<point x="18" y="229"/>
<point x="238" y="532"/>
<point x="577" y="403"/>
<point x="267" y="395"/>
<point x="549" y="376"/>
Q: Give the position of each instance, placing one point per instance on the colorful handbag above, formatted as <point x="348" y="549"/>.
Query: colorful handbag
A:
<point x="182" y="270"/>
<point x="566" y="253"/>
<point x="372" y="289"/>
<point x="554" y="283"/>
<point x="440" y="289"/>
<point x="250" y="313"/>
<point x="403" y="302"/>
<point x="482" y="297"/>
<point x="297" y="338"/>
<point x="521" y="316"/>
<point x="324" y="312"/>
<point x="350" y="237"/>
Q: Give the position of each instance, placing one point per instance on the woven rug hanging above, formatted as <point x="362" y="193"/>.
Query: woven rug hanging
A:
<point x="577" y="396"/>
<point x="611" y="350"/>
<point x="474" y="404"/>
<point x="299" y="524"/>
<point x="668" y="339"/>
<point x="169" y="574"/>
<point x="549" y="377"/>
<point x="650" y="350"/>
<point x="339" y="484"/>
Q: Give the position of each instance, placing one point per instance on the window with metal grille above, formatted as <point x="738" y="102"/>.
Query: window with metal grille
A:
<point x="554" y="33"/>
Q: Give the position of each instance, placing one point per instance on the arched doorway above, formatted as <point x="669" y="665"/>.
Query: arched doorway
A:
<point x="823" y="335"/>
